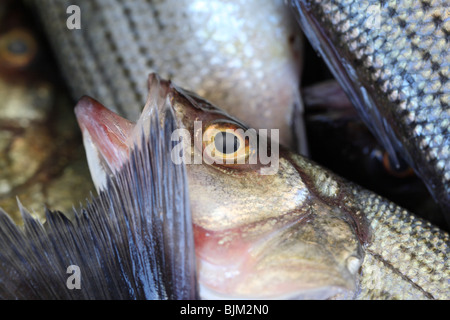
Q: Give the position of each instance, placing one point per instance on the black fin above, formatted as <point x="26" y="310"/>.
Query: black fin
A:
<point x="135" y="241"/>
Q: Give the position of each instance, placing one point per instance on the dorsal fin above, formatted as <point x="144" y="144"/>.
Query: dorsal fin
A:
<point x="135" y="241"/>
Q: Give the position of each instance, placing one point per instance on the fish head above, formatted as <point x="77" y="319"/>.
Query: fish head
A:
<point x="261" y="230"/>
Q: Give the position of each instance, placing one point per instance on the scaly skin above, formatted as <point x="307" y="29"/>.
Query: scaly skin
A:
<point x="405" y="256"/>
<point x="392" y="59"/>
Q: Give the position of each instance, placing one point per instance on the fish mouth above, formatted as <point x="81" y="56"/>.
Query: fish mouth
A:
<point x="108" y="137"/>
<point x="292" y="262"/>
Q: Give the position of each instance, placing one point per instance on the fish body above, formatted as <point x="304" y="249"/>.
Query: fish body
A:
<point x="299" y="232"/>
<point x="242" y="55"/>
<point x="391" y="58"/>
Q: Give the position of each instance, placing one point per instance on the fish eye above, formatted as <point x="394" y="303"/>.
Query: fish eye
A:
<point x="226" y="143"/>
<point x="17" y="48"/>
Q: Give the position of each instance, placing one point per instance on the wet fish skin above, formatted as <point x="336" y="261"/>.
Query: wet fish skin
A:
<point x="407" y="257"/>
<point x="353" y="243"/>
<point x="396" y="245"/>
<point x="391" y="57"/>
<point x="243" y="55"/>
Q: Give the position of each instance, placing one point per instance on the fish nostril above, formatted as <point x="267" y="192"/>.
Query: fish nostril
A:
<point x="353" y="264"/>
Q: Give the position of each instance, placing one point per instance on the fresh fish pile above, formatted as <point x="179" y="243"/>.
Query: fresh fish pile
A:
<point x="329" y="239"/>
<point x="392" y="59"/>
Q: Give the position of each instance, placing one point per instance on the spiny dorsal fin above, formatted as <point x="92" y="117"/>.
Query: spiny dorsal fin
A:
<point x="135" y="241"/>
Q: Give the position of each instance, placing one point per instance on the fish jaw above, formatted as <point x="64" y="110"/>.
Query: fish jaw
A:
<point x="256" y="236"/>
<point x="289" y="262"/>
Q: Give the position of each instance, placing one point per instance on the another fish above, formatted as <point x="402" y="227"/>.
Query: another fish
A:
<point x="300" y="232"/>
<point x="41" y="151"/>
<point x="243" y="55"/>
<point x="392" y="59"/>
<point x="135" y="241"/>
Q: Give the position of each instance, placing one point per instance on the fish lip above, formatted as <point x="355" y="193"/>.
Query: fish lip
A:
<point x="289" y="289"/>
<point x="96" y="119"/>
<point x="98" y="165"/>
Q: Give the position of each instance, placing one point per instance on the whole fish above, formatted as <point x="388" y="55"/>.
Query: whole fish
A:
<point x="41" y="151"/>
<point x="242" y="55"/>
<point x="392" y="59"/>
<point x="285" y="228"/>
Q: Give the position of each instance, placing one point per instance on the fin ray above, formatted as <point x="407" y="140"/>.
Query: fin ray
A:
<point x="134" y="241"/>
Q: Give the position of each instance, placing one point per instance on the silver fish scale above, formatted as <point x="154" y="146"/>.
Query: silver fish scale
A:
<point x="407" y="257"/>
<point x="396" y="55"/>
<point x="240" y="55"/>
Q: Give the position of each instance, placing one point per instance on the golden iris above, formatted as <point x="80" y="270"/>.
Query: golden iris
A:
<point x="225" y="143"/>
<point x="17" y="48"/>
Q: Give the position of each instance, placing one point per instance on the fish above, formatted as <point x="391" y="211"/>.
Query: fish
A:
<point x="391" y="59"/>
<point x="242" y="55"/>
<point x="133" y="241"/>
<point x="41" y="151"/>
<point x="274" y="231"/>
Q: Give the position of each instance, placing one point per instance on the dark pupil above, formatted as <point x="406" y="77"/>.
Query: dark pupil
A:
<point x="17" y="47"/>
<point x="226" y="142"/>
